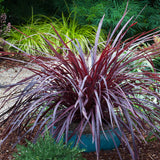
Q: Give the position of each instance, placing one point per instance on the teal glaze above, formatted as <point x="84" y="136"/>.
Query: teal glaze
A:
<point x="105" y="144"/>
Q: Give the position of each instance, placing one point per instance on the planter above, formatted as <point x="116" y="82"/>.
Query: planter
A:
<point x="105" y="144"/>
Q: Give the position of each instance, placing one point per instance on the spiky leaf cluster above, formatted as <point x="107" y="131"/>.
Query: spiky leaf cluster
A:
<point x="103" y="93"/>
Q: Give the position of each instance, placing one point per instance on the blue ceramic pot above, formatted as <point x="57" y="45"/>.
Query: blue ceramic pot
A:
<point x="105" y="144"/>
<point x="86" y="140"/>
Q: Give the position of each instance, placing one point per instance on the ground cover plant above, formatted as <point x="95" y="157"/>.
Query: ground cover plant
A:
<point x="32" y="40"/>
<point x="104" y="93"/>
<point x="47" y="149"/>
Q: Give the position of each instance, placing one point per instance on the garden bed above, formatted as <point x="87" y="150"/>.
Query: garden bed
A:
<point x="148" y="151"/>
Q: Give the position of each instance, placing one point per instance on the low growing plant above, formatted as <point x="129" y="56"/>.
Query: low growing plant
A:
<point x="103" y="93"/>
<point x="47" y="149"/>
<point x="150" y="136"/>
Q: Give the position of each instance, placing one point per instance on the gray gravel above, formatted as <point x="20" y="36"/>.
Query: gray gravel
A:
<point x="11" y="76"/>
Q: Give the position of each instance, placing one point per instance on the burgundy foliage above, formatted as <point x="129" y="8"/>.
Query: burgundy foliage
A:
<point x="104" y="93"/>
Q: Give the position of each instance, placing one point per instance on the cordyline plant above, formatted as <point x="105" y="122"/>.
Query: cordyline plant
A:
<point x="104" y="93"/>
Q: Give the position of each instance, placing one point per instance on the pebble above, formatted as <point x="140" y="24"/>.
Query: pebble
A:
<point x="10" y="76"/>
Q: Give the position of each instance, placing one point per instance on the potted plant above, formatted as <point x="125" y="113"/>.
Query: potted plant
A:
<point x="104" y="93"/>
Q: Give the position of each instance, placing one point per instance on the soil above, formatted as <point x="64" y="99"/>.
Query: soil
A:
<point x="149" y="151"/>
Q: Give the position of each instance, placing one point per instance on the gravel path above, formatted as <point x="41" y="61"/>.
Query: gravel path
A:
<point x="11" y="76"/>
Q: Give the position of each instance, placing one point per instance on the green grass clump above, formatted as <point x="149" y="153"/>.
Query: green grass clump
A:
<point x="29" y="38"/>
<point x="47" y="149"/>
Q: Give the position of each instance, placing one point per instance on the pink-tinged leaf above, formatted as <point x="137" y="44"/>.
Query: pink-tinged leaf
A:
<point x="97" y="39"/>
<point x="120" y="33"/>
<point x="12" y="45"/>
<point x="117" y="26"/>
<point x="98" y="108"/>
<point x="93" y="126"/>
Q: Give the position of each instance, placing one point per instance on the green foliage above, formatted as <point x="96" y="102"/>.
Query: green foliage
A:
<point x="69" y="29"/>
<point x="88" y="11"/>
<point x="151" y="14"/>
<point x="151" y="137"/>
<point x="91" y="11"/>
<point x="1" y="7"/>
<point x="47" y="149"/>
<point x="151" y="134"/>
<point x="39" y="26"/>
<point x="156" y="62"/>
<point x="31" y="38"/>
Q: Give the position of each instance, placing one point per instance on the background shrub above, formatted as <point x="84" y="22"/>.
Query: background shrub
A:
<point x="90" y="12"/>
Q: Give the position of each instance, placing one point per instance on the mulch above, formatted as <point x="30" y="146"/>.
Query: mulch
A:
<point x="149" y="151"/>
